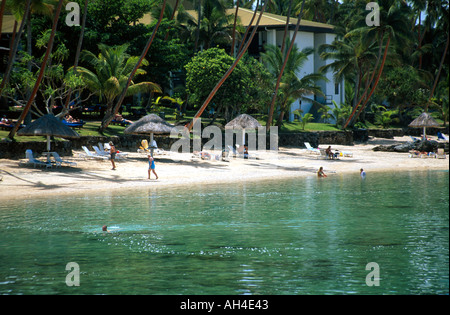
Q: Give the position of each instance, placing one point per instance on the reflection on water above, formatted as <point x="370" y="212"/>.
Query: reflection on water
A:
<point x="304" y="236"/>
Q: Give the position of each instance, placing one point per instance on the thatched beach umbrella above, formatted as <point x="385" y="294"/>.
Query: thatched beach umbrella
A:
<point x="243" y="122"/>
<point x="423" y="121"/>
<point x="48" y="126"/>
<point x="150" y="124"/>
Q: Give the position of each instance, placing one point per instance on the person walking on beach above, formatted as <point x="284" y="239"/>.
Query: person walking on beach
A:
<point x="112" y="152"/>
<point x="320" y="173"/>
<point x="151" y="166"/>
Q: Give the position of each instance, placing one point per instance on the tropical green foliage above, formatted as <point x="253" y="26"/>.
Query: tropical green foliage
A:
<point x="292" y="86"/>
<point x="402" y="64"/>
<point x="385" y="118"/>
<point x="306" y="119"/>
<point x="109" y="72"/>
<point x="239" y="91"/>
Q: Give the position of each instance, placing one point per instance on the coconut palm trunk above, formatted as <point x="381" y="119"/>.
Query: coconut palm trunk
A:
<point x="272" y="104"/>
<point x="351" y="118"/>
<point x="109" y="116"/>
<point x="41" y="72"/>
<point x="248" y="28"/>
<point x="286" y="27"/>
<point x="441" y="64"/>
<point x="233" y="48"/>
<point x="175" y="8"/>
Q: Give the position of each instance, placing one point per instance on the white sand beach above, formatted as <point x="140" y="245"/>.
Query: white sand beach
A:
<point x="175" y="169"/>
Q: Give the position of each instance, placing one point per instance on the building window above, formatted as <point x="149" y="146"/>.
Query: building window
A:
<point x="336" y="89"/>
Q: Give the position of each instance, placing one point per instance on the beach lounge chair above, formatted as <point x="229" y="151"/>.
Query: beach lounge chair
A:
<point x="323" y="154"/>
<point x="91" y="155"/>
<point x="79" y="124"/>
<point x="32" y="160"/>
<point x="98" y="151"/>
<point x="414" y="154"/>
<point x="60" y="161"/>
<point x="422" y="155"/>
<point x="346" y="154"/>
<point x="442" y="136"/>
<point x="440" y="154"/>
<point x="414" y="139"/>
<point x="232" y="151"/>
<point x="311" y="149"/>
<point x="121" y="122"/>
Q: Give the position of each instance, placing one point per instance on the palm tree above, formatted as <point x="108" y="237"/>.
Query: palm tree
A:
<point x="286" y="58"/>
<point x="350" y="57"/>
<point x="111" y="70"/>
<point x="41" y="72"/>
<point x="442" y="31"/>
<point x="229" y="71"/>
<point x="394" y="27"/>
<point x="129" y="82"/>
<point x="292" y="87"/>
<point x="215" y="25"/>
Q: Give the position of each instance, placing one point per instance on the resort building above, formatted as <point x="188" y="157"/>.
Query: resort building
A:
<point x="310" y="34"/>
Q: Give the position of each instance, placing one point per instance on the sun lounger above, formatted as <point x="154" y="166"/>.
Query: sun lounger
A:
<point x="32" y="161"/>
<point x="79" y="124"/>
<point x="413" y="154"/>
<point x="442" y="136"/>
<point x="422" y="155"/>
<point x="231" y="151"/>
<point x="60" y="161"/>
<point x="440" y="154"/>
<point x="91" y="155"/>
<point x="206" y="156"/>
<point x="119" y="155"/>
<point x="414" y="139"/>
<point x="323" y="154"/>
<point x="346" y="154"/>
<point x="100" y="152"/>
<point x="121" y="122"/>
<point x="311" y="149"/>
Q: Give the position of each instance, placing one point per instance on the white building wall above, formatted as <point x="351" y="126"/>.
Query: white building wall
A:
<point x="315" y="40"/>
<point x="303" y="40"/>
<point x="331" y="87"/>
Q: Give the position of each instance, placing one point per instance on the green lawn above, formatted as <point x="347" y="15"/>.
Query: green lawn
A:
<point x="293" y="127"/>
<point x="91" y="127"/>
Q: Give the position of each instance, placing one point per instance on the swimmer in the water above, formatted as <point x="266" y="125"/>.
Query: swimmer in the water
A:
<point x="105" y="228"/>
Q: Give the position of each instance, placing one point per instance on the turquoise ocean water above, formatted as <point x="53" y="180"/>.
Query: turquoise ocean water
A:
<point x="302" y="236"/>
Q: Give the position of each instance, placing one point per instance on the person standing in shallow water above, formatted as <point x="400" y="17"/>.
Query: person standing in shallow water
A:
<point x="151" y="166"/>
<point x="362" y="173"/>
<point x="320" y="173"/>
